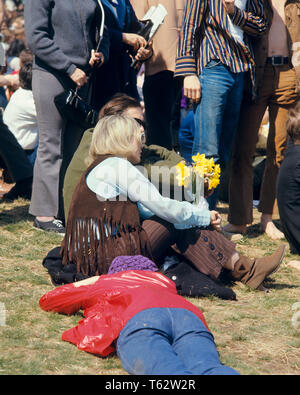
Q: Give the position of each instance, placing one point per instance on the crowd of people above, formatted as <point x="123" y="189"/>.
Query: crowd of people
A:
<point x="201" y="85"/>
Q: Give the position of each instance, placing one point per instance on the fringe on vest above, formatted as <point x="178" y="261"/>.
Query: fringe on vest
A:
<point x="99" y="231"/>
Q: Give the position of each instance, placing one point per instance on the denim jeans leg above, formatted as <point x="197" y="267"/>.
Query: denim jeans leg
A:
<point x="229" y="128"/>
<point x="217" y="114"/>
<point x="231" y="118"/>
<point x="144" y="345"/>
<point x="209" y="112"/>
<point x="195" y="345"/>
<point x="169" y="341"/>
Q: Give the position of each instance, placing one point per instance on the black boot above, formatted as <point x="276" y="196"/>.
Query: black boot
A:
<point x="22" y="189"/>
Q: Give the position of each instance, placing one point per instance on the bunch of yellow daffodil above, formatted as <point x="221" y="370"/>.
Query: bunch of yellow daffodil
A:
<point x="183" y="174"/>
<point x="203" y="167"/>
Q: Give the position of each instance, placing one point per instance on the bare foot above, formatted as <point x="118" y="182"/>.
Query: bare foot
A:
<point x="267" y="226"/>
<point x="294" y="264"/>
<point x="235" y="228"/>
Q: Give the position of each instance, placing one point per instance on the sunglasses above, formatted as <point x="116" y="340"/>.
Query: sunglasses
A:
<point x="143" y="135"/>
<point x="143" y="138"/>
<point x="140" y="122"/>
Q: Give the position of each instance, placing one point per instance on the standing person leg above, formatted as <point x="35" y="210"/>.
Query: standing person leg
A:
<point x="267" y="203"/>
<point x="231" y="118"/>
<point x="45" y="194"/>
<point x="241" y="172"/>
<point x="176" y="112"/>
<point x="209" y="112"/>
<point x="159" y="97"/>
<point x="229" y="126"/>
<point x="71" y="138"/>
<point x="217" y="83"/>
<point x="282" y="99"/>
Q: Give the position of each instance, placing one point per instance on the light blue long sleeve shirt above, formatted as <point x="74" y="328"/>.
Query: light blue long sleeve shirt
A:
<point x="117" y="177"/>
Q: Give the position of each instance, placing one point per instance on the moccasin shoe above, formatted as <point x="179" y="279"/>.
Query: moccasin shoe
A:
<point x="252" y="272"/>
<point x="264" y="267"/>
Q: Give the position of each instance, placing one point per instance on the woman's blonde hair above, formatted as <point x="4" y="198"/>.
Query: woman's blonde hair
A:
<point x="114" y="134"/>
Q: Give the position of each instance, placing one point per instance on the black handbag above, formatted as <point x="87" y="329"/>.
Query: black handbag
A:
<point x="73" y="107"/>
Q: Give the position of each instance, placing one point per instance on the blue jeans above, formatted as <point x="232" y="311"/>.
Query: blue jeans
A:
<point x="186" y="134"/>
<point x="169" y="341"/>
<point x="217" y="114"/>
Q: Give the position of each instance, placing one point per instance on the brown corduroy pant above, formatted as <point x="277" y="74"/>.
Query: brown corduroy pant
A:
<point x="207" y="249"/>
<point x="277" y="94"/>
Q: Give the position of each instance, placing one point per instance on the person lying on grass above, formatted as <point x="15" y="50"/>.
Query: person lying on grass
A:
<point x="139" y="314"/>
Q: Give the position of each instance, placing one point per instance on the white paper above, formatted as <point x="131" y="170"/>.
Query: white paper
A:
<point x="157" y="16"/>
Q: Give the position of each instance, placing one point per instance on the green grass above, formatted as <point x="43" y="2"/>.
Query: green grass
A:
<point x="253" y="334"/>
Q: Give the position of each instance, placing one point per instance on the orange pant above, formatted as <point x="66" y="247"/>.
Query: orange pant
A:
<point x="277" y="94"/>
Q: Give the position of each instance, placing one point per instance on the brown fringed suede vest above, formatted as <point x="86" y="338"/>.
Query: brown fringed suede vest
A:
<point x="89" y="241"/>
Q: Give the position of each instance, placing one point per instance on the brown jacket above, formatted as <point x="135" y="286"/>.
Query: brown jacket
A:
<point x="165" y="40"/>
<point x="260" y="45"/>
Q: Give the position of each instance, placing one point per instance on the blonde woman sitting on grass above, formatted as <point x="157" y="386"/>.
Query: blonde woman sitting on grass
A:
<point x="115" y="211"/>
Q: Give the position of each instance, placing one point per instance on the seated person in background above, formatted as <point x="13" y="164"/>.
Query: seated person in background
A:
<point x="115" y="211"/>
<point x="288" y="183"/>
<point x="13" y="55"/>
<point x="139" y="314"/>
<point x="24" y="57"/>
<point x="8" y="80"/>
<point x="13" y="157"/>
<point x="151" y="155"/>
<point x="20" y="114"/>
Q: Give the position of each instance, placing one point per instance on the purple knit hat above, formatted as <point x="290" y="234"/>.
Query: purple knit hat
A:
<point x="135" y="262"/>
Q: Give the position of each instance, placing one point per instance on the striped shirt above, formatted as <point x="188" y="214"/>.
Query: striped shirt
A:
<point x="205" y="35"/>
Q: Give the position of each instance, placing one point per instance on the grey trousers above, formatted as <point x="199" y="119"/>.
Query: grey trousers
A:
<point x="58" y="140"/>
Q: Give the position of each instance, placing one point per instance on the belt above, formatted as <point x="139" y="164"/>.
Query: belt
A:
<point x="278" y="60"/>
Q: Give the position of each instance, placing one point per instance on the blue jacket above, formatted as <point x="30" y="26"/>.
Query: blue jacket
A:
<point x="117" y="75"/>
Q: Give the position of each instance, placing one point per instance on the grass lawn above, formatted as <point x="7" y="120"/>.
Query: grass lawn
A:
<point x="254" y="334"/>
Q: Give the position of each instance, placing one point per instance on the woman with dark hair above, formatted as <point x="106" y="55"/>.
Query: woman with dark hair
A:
<point x="62" y="35"/>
